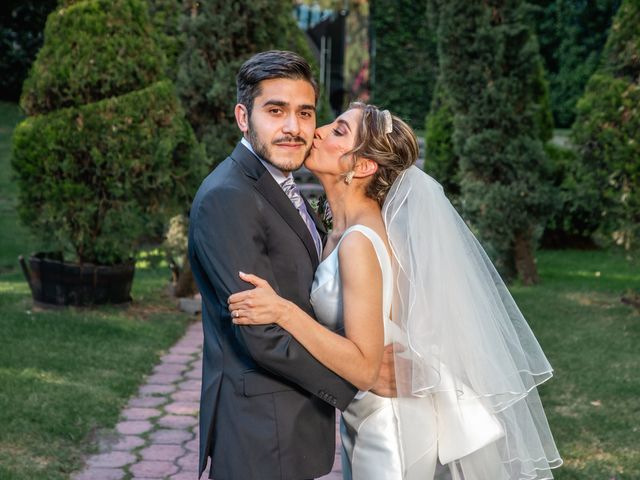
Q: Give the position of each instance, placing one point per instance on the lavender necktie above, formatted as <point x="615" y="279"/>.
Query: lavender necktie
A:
<point x="291" y="190"/>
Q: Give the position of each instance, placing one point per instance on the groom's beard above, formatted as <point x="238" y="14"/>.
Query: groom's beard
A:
<point x="264" y="151"/>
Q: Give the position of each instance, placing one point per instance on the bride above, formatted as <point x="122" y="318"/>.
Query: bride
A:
<point x="401" y="268"/>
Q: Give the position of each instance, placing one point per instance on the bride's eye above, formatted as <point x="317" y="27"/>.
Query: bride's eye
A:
<point x="337" y="132"/>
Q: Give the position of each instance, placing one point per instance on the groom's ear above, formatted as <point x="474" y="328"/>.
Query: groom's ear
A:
<point x="365" y="168"/>
<point x="242" y="117"/>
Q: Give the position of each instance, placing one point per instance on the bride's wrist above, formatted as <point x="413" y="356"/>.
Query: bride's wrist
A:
<point x="286" y="310"/>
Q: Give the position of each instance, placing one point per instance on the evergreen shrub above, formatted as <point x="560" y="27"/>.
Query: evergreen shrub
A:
<point x="98" y="175"/>
<point x="405" y="61"/>
<point x="606" y="131"/>
<point x="441" y="161"/>
<point x="93" y="50"/>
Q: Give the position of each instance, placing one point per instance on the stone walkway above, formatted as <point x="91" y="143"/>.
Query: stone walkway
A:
<point x="157" y="436"/>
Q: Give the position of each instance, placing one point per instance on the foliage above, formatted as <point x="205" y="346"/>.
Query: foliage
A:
<point x="606" y="130"/>
<point x="165" y="16"/>
<point x="96" y="176"/>
<point x="441" y="161"/>
<point x="83" y="58"/>
<point x="21" y="33"/>
<point x="219" y="36"/>
<point x="574" y="217"/>
<point x="489" y="57"/>
<point x="572" y="35"/>
<point x="404" y="59"/>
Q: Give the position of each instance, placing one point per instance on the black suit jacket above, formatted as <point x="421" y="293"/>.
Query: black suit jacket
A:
<point x="267" y="409"/>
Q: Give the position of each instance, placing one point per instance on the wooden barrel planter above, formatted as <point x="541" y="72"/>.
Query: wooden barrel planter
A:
<point x="54" y="282"/>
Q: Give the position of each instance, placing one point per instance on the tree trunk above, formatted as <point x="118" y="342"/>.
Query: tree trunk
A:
<point x="185" y="285"/>
<point x="525" y="259"/>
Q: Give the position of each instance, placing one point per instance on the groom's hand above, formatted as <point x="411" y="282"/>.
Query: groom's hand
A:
<point x="386" y="384"/>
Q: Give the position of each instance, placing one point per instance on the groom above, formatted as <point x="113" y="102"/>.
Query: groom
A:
<point x="267" y="406"/>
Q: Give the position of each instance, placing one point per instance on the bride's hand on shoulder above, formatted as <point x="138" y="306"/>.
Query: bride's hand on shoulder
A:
<point x="258" y="306"/>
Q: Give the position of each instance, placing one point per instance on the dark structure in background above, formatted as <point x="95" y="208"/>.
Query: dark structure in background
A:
<point x="21" y="36"/>
<point x="327" y="31"/>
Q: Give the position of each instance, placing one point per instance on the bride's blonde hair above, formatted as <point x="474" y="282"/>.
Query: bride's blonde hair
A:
<point x="388" y="141"/>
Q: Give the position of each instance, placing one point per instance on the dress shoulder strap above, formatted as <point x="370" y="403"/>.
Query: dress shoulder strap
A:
<point x="377" y="242"/>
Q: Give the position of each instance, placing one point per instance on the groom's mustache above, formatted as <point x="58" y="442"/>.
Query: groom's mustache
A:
<point x="278" y="141"/>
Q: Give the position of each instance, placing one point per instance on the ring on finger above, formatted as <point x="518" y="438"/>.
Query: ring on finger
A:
<point x="236" y="313"/>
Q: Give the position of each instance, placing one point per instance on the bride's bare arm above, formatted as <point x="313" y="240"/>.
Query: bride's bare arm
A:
<point x="355" y="357"/>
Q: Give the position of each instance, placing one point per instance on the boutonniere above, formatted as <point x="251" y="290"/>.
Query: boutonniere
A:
<point x="321" y="206"/>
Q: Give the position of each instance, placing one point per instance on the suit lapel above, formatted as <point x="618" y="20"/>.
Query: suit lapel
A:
<point x="271" y="191"/>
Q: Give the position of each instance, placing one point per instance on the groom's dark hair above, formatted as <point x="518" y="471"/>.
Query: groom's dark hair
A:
<point x="268" y="65"/>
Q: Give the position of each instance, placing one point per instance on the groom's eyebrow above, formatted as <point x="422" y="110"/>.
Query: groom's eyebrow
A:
<point x="282" y="103"/>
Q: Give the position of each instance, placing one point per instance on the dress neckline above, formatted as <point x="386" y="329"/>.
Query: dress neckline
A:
<point x="352" y="227"/>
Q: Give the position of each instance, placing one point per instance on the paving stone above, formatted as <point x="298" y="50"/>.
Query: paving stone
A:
<point x="193" y="445"/>
<point x="162" y="452"/>
<point x="186" y="396"/>
<point x="190" y="385"/>
<point x="94" y="473"/>
<point x="111" y="459"/>
<point x="128" y="443"/>
<point x="189" y="462"/>
<point x="182" y="408"/>
<point x="163" y="379"/>
<point x="177" y="422"/>
<point x="170" y="368"/>
<point x="133" y="427"/>
<point x="189" y="305"/>
<point x="153" y="469"/>
<point x="185" y="476"/>
<point x="171" y="437"/>
<point x="157" y="389"/>
<point x="184" y="350"/>
<point x="177" y="358"/>
<point x="191" y="343"/>
<point x="147" y="402"/>
<point x="195" y="374"/>
<point x="136" y="413"/>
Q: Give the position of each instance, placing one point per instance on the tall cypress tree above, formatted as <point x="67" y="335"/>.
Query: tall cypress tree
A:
<point x="489" y="56"/>
<point x="405" y="60"/>
<point x="219" y="36"/>
<point x="607" y="126"/>
<point x="572" y="35"/>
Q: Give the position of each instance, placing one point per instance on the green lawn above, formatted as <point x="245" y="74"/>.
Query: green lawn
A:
<point x="64" y="375"/>
<point x="592" y="341"/>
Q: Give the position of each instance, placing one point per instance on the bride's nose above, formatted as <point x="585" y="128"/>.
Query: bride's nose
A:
<point x="319" y="133"/>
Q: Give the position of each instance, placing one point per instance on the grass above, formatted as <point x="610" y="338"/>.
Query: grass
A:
<point x="591" y="339"/>
<point x="64" y="375"/>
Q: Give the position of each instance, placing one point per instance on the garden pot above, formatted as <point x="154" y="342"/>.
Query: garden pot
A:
<point x="54" y="282"/>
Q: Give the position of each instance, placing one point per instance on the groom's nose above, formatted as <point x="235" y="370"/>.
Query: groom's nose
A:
<point x="291" y="125"/>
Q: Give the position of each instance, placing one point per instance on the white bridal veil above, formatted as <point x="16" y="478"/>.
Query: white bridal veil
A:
<point x="461" y="338"/>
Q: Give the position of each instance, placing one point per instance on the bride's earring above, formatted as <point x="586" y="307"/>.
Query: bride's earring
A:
<point x="349" y="177"/>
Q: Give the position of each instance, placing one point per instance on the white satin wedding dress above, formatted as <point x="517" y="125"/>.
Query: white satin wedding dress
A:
<point x="370" y="428"/>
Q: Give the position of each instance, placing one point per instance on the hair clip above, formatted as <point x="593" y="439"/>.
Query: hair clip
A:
<point x="388" y="121"/>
